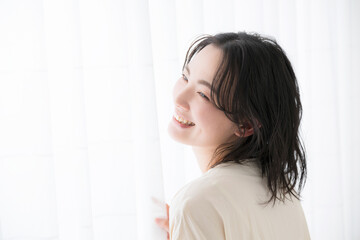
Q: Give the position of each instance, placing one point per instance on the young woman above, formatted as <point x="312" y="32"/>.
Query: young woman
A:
<point x="237" y="104"/>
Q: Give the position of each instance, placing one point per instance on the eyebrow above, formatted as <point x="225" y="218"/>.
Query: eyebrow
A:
<point x="201" y="81"/>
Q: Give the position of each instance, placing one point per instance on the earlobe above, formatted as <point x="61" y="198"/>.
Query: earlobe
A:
<point x="240" y="132"/>
<point x="237" y="132"/>
<point x="246" y="131"/>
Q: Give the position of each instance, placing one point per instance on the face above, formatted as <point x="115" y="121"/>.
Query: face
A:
<point x="191" y="101"/>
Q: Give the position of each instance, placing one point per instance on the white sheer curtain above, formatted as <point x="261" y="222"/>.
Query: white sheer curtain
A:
<point x="86" y="96"/>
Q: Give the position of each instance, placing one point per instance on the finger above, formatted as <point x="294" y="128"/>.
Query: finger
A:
<point x="167" y="210"/>
<point x="163" y="223"/>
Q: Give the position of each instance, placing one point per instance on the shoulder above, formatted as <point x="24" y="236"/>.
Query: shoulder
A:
<point x="194" y="212"/>
<point x="225" y="179"/>
<point x="197" y="190"/>
<point x="229" y="184"/>
<point x="196" y="197"/>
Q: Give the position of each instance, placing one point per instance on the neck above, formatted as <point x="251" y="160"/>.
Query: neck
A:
<point x="203" y="156"/>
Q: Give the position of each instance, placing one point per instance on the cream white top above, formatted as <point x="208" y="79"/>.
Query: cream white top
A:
<point x="224" y="204"/>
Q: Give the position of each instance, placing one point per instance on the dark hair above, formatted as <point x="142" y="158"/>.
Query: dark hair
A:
<point x="255" y="84"/>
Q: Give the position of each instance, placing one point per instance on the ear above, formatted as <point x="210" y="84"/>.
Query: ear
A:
<point x="246" y="130"/>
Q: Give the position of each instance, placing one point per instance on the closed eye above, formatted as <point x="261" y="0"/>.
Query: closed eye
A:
<point x="203" y="95"/>
<point x="200" y="93"/>
<point x="184" y="77"/>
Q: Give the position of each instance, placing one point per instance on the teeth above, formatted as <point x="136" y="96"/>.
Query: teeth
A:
<point x="183" y="121"/>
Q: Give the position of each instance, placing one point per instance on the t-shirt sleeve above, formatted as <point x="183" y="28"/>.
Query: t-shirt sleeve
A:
<point x="196" y="219"/>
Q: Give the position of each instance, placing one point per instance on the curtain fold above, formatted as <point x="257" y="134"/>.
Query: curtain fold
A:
<point x="86" y="97"/>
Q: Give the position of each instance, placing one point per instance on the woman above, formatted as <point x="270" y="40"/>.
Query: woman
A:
<point x="238" y="105"/>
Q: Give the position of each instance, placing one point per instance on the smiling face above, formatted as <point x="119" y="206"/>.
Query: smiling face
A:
<point x="191" y="100"/>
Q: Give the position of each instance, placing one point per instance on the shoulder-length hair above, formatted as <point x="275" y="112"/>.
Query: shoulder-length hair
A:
<point x="255" y="85"/>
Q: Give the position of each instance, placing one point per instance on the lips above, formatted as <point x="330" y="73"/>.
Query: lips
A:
<point x="181" y="121"/>
<point x="181" y="124"/>
<point x="178" y="115"/>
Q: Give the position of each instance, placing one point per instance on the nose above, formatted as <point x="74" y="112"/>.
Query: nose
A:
<point x="182" y="96"/>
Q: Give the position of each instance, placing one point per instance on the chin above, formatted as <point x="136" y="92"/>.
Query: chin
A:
<point x="176" y="136"/>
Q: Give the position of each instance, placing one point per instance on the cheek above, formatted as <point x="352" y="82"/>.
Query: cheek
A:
<point x="208" y="118"/>
<point x="215" y="122"/>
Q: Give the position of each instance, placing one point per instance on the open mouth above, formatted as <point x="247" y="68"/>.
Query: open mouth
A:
<point x="182" y="121"/>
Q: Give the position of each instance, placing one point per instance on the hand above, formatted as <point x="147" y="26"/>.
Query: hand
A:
<point x="164" y="222"/>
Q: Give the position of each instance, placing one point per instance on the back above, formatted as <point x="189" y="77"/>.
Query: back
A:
<point x="224" y="203"/>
